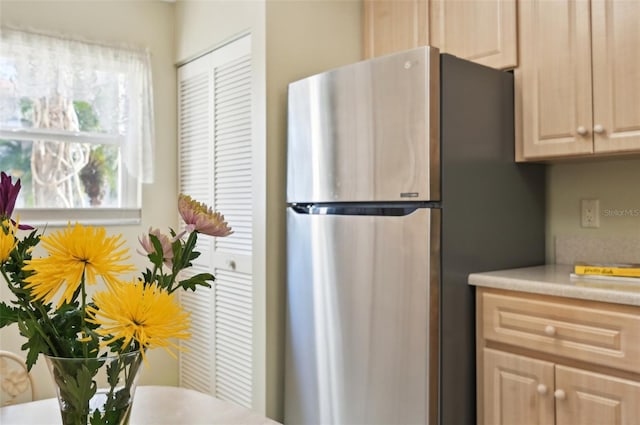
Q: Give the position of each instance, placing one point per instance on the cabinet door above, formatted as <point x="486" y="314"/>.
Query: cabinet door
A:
<point x="393" y="25"/>
<point x="593" y="399"/>
<point x="616" y="75"/>
<point x="554" y="78"/>
<point x="478" y="30"/>
<point x="516" y="389"/>
<point x="214" y="156"/>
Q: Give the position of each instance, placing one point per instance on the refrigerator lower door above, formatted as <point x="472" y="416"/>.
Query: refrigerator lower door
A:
<point x="362" y="318"/>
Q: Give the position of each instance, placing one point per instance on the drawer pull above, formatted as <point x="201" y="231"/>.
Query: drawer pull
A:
<point x="542" y="389"/>
<point x="550" y="330"/>
<point x="560" y="395"/>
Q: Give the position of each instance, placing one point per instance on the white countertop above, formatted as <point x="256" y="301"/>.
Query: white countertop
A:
<point x="152" y="406"/>
<point x="555" y="280"/>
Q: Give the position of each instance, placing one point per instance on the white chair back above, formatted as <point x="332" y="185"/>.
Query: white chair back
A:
<point x="16" y="384"/>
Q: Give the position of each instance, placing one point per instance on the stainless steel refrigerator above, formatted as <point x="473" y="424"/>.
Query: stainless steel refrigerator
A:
<point x="400" y="182"/>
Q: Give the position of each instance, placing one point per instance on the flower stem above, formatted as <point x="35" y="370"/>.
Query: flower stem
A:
<point x="184" y="259"/>
<point x="158" y="280"/>
<point x="83" y="314"/>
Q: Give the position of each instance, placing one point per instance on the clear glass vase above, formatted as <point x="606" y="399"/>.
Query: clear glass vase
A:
<point x="96" y="391"/>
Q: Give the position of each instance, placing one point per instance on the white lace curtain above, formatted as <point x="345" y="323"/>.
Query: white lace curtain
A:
<point x="115" y="81"/>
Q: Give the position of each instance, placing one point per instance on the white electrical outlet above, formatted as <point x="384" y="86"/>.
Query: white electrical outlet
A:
<point x="590" y="213"/>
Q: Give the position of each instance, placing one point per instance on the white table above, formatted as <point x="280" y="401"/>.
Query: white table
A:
<point x="152" y="405"/>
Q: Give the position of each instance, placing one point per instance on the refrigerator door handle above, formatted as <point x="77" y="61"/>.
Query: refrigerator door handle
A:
<point x="393" y="210"/>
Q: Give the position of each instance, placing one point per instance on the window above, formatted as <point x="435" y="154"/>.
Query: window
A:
<point x="76" y="125"/>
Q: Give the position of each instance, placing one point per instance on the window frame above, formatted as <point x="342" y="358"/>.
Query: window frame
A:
<point x="130" y="190"/>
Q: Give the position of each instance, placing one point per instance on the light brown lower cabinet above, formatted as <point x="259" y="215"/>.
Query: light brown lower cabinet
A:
<point x="552" y="360"/>
<point x="523" y="390"/>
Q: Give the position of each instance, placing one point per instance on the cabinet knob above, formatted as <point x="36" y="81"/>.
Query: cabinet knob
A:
<point x="542" y="389"/>
<point x="598" y="129"/>
<point x="559" y="395"/>
<point x="550" y="330"/>
<point x="231" y="264"/>
<point x="581" y="131"/>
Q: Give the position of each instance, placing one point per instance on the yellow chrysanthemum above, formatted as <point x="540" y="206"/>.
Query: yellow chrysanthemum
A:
<point x="72" y="252"/>
<point x="131" y="311"/>
<point x="7" y="240"/>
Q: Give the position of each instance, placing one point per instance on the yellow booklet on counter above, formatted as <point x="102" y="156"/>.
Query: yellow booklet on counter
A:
<point x="621" y="270"/>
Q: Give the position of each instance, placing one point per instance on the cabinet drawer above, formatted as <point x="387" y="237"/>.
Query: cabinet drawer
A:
<point x="598" y="333"/>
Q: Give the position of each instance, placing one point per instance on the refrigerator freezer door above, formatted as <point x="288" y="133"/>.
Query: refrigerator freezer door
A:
<point x="362" y="319"/>
<point x="366" y="132"/>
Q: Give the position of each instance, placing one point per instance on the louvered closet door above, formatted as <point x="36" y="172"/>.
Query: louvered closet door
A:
<point x="215" y="168"/>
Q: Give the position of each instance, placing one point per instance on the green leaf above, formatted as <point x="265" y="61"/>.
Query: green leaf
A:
<point x="96" y="418"/>
<point x="76" y="385"/>
<point x="165" y="281"/>
<point x="199" y="279"/>
<point x="156" y="257"/>
<point x="8" y="315"/>
<point x="35" y="343"/>
<point x="147" y="276"/>
<point x="176" y="247"/>
<point x="113" y="371"/>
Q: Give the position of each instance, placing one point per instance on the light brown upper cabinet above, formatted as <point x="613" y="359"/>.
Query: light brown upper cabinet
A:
<point x="483" y="31"/>
<point x="394" y="25"/>
<point x="578" y="84"/>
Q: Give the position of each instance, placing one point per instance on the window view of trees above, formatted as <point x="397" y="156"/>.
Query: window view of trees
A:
<point x="59" y="173"/>
<point x="15" y="159"/>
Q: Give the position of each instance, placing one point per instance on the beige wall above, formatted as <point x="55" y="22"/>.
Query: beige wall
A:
<point x="616" y="183"/>
<point x="141" y="23"/>
<point x="201" y="25"/>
